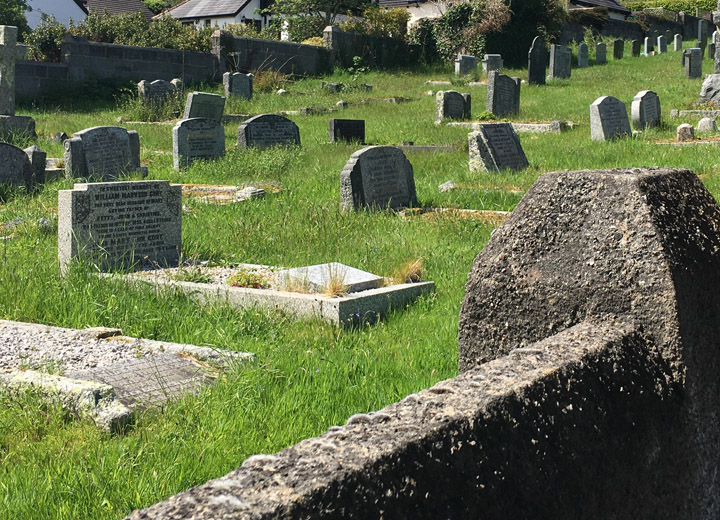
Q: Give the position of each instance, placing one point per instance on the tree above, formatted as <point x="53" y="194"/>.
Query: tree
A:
<point x="327" y="10"/>
<point x="12" y="12"/>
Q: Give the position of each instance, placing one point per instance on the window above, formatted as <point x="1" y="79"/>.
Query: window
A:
<point x="208" y="22"/>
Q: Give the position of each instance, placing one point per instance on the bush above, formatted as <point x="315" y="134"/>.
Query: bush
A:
<point x="389" y="23"/>
<point x="45" y="39"/>
<point x="688" y="6"/>
<point x="301" y="28"/>
<point x="595" y="17"/>
<point x="422" y="40"/>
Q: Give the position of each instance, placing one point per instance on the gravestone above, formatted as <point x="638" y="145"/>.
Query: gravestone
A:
<point x="202" y="104"/>
<point x="503" y="94"/>
<point x="677" y="43"/>
<point x="710" y="91"/>
<point x="702" y="33"/>
<point x="537" y="62"/>
<point x="648" y="46"/>
<point x="491" y="62"/>
<point x="465" y="65"/>
<point x="347" y="130"/>
<point x="600" y="54"/>
<point x="377" y="177"/>
<point x="635" y="48"/>
<point x="645" y="110"/>
<point x="707" y="125"/>
<point x="495" y="147"/>
<point x="268" y="130"/>
<point x="618" y="49"/>
<point x="608" y="119"/>
<point x="560" y="57"/>
<point x="582" y="56"/>
<point x="156" y="91"/>
<point x="693" y="63"/>
<point x="711" y="51"/>
<point x="661" y="44"/>
<point x="103" y="152"/>
<point x="668" y="35"/>
<point x="685" y="132"/>
<point x="198" y="138"/>
<point x="21" y="168"/>
<point x="238" y="85"/>
<point x="116" y="224"/>
<point x="450" y="104"/>
<point x="10" y="52"/>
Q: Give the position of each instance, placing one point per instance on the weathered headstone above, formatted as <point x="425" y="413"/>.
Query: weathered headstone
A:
<point x="21" y="168"/>
<point x="600" y="53"/>
<point x="503" y="95"/>
<point x="103" y="152"/>
<point x="377" y="177"/>
<point x="582" y="56"/>
<point x="120" y="223"/>
<point x="38" y="163"/>
<point x="693" y="62"/>
<point x="156" y="91"/>
<point x="10" y="124"/>
<point x="618" y="49"/>
<point x="677" y="42"/>
<point x="203" y="104"/>
<point x="635" y="48"/>
<point x="465" y="65"/>
<point x="268" y="130"/>
<point x="495" y="147"/>
<point x="645" y="110"/>
<point x="238" y="85"/>
<point x="661" y="44"/>
<point x="450" y="104"/>
<point x="707" y="125"/>
<point x="198" y="138"/>
<point x="710" y="91"/>
<point x="347" y="130"/>
<point x="648" y="46"/>
<point x="608" y="119"/>
<point x="537" y="62"/>
<point x="685" y="132"/>
<point x="560" y="58"/>
<point x="491" y="62"/>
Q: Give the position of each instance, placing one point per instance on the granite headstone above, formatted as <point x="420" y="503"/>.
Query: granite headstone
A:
<point x="608" y="119"/>
<point x="203" y="104"/>
<point x="635" y="48"/>
<point x="618" y="49"/>
<point x="600" y="53"/>
<point x="693" y="62"/>
<point x="238" y="84"/>
<point x="537" y="62"/>
<point x="103" y="152"/>
<point x="503" y="94"/>
<point x="10" y="52"/>
<point x="648" y="46"/>
<point x="491" y="62"/>
<point x="677" y="42"/>
<point x="268" y="130"/>
<point x="495" y="147"/>
<point x="661" y="44"/>
<point x="582" y="56"/>
<point x="156" y="91"/>
<point x="17" y="170"/>
<point x="560" y="58"/>
<point x="347" y="130"/>
<point x="450" y="104"/>
<point x="645" y="110"/>
<point x="197" y="138"/>
<point x="465" y="65"/>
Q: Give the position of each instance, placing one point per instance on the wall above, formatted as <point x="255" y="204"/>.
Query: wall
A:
<point x="375" y="51"/>
<point x="686" y="26"/>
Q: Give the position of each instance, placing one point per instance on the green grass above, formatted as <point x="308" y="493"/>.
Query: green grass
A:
<point x="308" y="375"/>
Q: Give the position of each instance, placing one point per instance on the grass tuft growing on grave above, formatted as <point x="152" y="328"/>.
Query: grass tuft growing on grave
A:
<point x="307" y="376"/>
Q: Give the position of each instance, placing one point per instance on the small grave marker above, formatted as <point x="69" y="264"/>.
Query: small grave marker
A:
<point x="560" y="58"/>
<point x="677" y="42"/>
<point x="600" y="54"/>
<point x="707" y="125"/>
<point x="537" y="62"/>
<point x="582" y="56"/>
<point x="238" y="84"/>
<point x="347" y="130"/>
<point x="465" y="65"/>
<point x="203" y="104"/>
<point x="648" y="46"/>
<point x="661" y="44"/>
<point x="450" y="104"/>
<point x="503" y="94"/>
<point x="711" y="51"/>
<point x="377" y="177"/>
<point x="268" y="130"/>
<point x="645" y="110"/>
<point x="495" y="147"/>
<point x="103" y="152"/>
<point x="198" y="138"/>
<point x="491" y="62"/>
<point x="635" y="48"/>
<point x="685" y="132"/>
<point x="608" y="119"/>
<point x="618" y="49"/>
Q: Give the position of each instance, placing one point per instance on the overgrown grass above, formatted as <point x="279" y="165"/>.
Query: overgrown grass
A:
<point x="307" y="376"/>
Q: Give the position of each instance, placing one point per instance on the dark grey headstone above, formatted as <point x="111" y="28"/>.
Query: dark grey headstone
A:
<point x="347" y="130"/>
<point x="102" y="152"/>
<point x="649" y="46"/>
<point x="711" y="51"/>
<point x="600" y="53"/>
<point x="16" y="170"/>
<point x="268" y="130"/>
<point x="198" y="138"/>
<point x="560" y="59"/>
<point x="693" y="62"/>
<point x="618" y="49"/>
<point x="377" y="177"/>
<point x="608" y="119"/>
<point x="645" y="110"/>
<point x="677" y="42"/>
<point x="238" y="84"/>
<point x="635" y="48"/>
<point x="465" y="65"/>
<point x="203" y="104"/>
<point x="495" y="147"/>
<point x="156" y="91"/>
<point x="115" y="224"/>
<point x="661" y="45"/>
<point x="491" y="62"/>
<point x="710" y="91"/>
<point x="537" y="62"/>
<point x="582" y="56"/>
<point x="450" y="104"/>
<point x="503" y="94"/>
<point x="38" y="163"/>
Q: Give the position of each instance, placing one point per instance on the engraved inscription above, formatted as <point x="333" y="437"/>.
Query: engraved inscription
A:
<point x="384" y="179"/>
<point x="269" y="134"/>
<point x="107" y="153"/>
<point x="614" y="118"/>
<point x="503" y="147"/>
<point x="454" y="106"/>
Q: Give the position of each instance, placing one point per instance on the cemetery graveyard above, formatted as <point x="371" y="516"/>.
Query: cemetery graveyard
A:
<point x="298" y="377"/>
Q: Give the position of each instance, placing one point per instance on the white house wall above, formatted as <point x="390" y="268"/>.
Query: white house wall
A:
<point x="63" y="10"/>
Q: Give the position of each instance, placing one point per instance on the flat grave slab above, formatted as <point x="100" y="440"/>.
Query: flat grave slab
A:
<point x="699" y="114"/>
<point x="219" y="194"/>
<point x="494" y="218"/>
<point x="552" y="127"/>
<point x="317" y="277"/>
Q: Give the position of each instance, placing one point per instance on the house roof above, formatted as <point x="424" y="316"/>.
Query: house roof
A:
<point x="118" y="7"/>
<point x="81" y="5"/>
<point x="206" y="8"/>
<point x="612" y="5"/>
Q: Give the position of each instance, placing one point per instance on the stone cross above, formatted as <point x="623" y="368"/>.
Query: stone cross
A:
<point x="10" y="51"/>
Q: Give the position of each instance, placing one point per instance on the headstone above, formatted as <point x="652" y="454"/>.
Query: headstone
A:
<point x="710" y="91"/>
<point x="707" y="125"/>
<point x="268" y="130"/>
<point x="648" y="46"/>
<point x="600" y="53"/>
<point x="202" y="104"/>
<point x="17" y="169"/>
<point x="495" y="147"/>
<point x="178" y="84"/>
<point x="645" y="110"/>
<point x="693" y="62"/>
<point x="238" y="85"/>
<point x="465" y="65"/>
<point x="503" y="94"/>
<point x="156" y="91"/>
<point x="702" y="32"/>
<point x="711" y="51"/>
<point x="668" y="35"/>
<point x="118" y="224"/>
<point x="677" y="43"/>
<point x="347" y="130"/>
<point x="333" y="87"/>
<point x="635" y="48"/>
<point x="450" y="104"/>
<point x="198" y="138"/>
<point x="38" y="162"/>
<point x="344" y="104"/>
<point x="537" y="62"/>
<point x="608" y="119"/>
<point x="618" y="49"/>
<point x="491" y="62"/>
<point x="560" y="57"/>
<point x="316" y="278"/>
<point x="661" y="44"/>
<point x="103" y="152"/>
<point x="377" y="177"/>
<point x="10" y="52"/>
<point x="685" y="132"/>
<point x="582" y="56"/>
